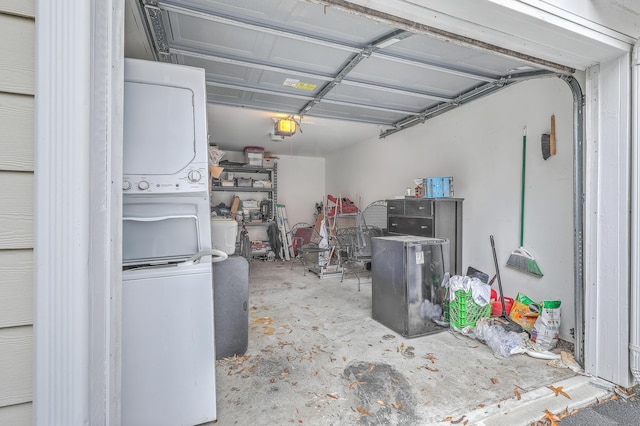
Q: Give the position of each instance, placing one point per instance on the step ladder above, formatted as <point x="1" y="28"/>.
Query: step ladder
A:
<point x="286" y="252"/>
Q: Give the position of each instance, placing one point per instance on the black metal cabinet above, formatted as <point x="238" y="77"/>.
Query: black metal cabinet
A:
<point x="429" y="217"/>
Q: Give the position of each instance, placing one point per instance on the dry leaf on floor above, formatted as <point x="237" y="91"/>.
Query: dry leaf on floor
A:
<point x="371" y="367"/>
<point x="398" y="405"/>
<point x="263" y="320"/>
<point x="480" y="405"/>
<point x="427" y="367"/>
<point x="564" y="414"/>
<point x="330" y="395"/>
<point x="625" y="393"/>
<point x="559" y="391"/>
<point x="427" y="403"/>
<point x="494" y="380"/>
<point x="551" y="417"/>
<point x="269" y="330"/>
<point x="284" y="374"/>
<point x="447" y="419"/>
<point x="363" y="411"/>
<point x="315" y="373"/>
<point x="344" y="358"/>
<point x="455" y="422"/>
<point x="381" y="402"/>
<point x="517" y="393"/>
<point x="431" y="358"/>
<point x="354" y="384"/>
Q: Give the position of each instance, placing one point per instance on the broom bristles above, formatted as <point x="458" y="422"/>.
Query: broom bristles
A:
<point x="546" y="146"/>
<point x="522" y="260"/>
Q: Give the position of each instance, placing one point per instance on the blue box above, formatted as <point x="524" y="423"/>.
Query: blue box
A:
<point x="438" y="187"/>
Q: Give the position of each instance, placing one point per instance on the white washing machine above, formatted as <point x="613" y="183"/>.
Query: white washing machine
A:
<point x="168" y="353"/>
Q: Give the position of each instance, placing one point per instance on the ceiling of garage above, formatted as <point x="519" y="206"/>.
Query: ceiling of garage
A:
<point x="320" y="63"/>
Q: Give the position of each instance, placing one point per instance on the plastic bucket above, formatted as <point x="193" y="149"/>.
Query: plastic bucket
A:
<point x="223" y="235"/>
<point x="496" y="307"/>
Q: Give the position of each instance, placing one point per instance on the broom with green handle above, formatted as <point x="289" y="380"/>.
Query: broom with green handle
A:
<point x="520" y="258"/>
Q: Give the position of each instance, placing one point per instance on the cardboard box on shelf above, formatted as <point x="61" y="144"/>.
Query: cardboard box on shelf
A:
<point x="268" y="162"/>
<point x="254" y="155"/>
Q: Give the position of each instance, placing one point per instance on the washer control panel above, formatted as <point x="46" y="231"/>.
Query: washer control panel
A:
<point x="191" y="179"/>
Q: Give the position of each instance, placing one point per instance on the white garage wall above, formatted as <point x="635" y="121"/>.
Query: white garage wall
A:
<point x="480" y="145"/>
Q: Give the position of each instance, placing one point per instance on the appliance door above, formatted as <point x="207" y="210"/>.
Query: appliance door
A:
<point x="425" y="270"/>
<point x="164" y="229"/>
<point x="168" y="354"/>
<point x="159" y="132"/>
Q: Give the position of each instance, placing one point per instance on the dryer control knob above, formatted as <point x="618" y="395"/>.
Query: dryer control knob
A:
<point x="126" y="185"/>
<point x="194" y="176"/>
<point x="143" y="185"/>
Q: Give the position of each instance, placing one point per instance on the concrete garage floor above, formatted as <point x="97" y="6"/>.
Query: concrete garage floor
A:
<point x="316" y="357"/>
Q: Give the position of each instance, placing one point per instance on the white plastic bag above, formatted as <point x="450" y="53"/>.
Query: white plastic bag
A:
<point x="505" y="343"/>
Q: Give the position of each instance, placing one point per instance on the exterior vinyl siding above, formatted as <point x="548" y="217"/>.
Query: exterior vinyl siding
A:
<point x="16" y="288"/>
<point x="17" y="68"/>
<point x="16" y="139"/>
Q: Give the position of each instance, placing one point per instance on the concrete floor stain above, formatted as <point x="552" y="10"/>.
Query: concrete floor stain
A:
<point x="383" y="392"/>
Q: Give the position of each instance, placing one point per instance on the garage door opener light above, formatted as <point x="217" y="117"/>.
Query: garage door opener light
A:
<point x="285" y="127"/>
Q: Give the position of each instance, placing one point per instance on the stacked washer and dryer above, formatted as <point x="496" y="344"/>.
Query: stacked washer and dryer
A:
<point x="168" y="354"/>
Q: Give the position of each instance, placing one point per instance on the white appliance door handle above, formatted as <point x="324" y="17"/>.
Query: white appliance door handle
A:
<point x="159" y="218"/>
<point x="216" y="256"/>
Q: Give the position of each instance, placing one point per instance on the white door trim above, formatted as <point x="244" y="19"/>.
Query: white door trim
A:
<point x="634" y="295"/>
<point x="79" y="59"/>
<point x="607" y="220"/>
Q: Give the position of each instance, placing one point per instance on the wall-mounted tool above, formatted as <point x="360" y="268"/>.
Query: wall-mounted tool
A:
<point x="549" y="140"/>
<point x="520" y="258"/>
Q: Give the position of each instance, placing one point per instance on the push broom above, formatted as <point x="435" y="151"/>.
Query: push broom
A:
<point x="520" y="258"/>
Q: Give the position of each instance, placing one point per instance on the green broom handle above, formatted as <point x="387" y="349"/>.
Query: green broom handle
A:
<point x="524" y="162"/>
